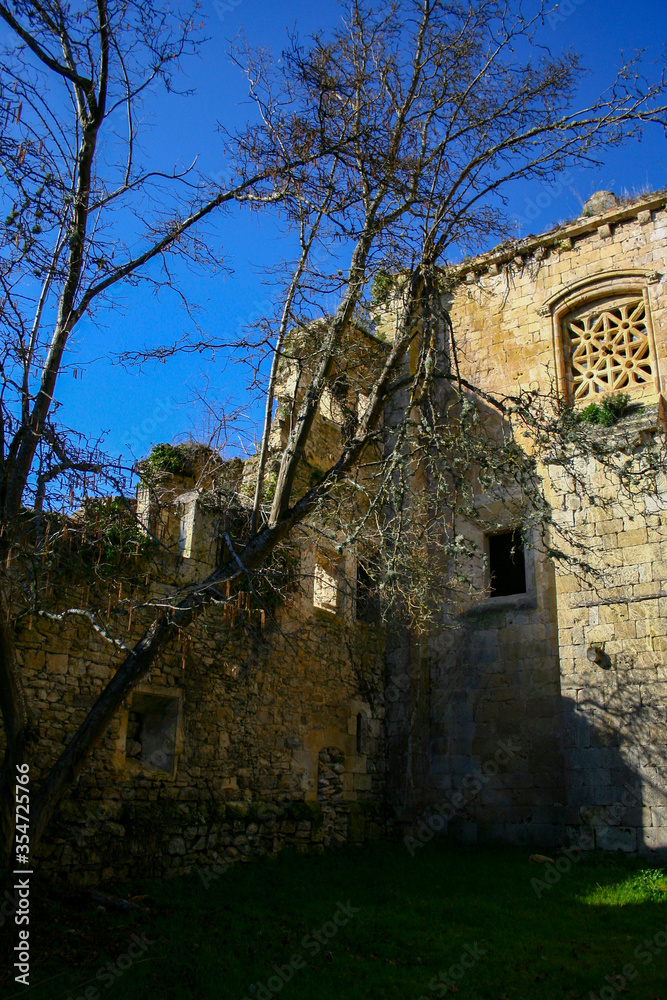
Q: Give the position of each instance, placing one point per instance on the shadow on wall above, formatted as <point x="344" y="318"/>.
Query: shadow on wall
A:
<point x="615" y="753"/>
<point x="407" y="705"/>
<point x="495" y="764"/>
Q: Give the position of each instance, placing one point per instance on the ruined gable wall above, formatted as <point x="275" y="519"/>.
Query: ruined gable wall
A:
<point x="595" y="739"/>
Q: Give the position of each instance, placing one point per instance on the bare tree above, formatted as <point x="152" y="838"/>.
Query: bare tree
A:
<point x="71" y="90"/>
<point x="408" y="123"/>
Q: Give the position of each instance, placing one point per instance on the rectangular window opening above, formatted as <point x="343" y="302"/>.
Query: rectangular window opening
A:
<point x="186" y="527"/>
<point x="368" y="600"/>
<point x="151" y="732"/>
<point x="507" y="564"/>
<point x="326" y="585"/>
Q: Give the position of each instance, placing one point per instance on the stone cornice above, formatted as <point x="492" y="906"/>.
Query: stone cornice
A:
<point x="561" y="237"/>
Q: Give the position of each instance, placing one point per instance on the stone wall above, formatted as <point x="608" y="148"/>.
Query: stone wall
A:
<point x="613" y="638"/>
<point x="494" y="681"/>
<point x="593" y="737"/>
<point x="245" y="712"/>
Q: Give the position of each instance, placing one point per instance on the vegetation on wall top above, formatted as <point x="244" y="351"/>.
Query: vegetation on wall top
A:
<point x="175" y="459"/>
<point x="608" y="412"/>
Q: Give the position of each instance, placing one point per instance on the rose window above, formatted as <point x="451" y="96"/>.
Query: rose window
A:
<point x="609" y="348"/>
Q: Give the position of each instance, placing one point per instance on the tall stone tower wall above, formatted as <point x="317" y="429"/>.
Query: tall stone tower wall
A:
<point x="572" y="670"/>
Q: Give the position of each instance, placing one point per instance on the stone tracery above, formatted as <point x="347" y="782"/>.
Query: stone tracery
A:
<point x="609" y="347"/>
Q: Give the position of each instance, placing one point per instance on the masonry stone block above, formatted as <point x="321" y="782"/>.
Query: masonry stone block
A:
<point x="654" y="839"/>
<point x="616" y="838"/>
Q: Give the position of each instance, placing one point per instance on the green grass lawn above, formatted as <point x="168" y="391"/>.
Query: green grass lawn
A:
<point x="402" y="923"/>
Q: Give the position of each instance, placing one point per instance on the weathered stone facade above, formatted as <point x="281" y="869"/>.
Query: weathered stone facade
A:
<point x="238" y="773"/>
<point x="590" y="736"/>
<point x="540" y="715"/>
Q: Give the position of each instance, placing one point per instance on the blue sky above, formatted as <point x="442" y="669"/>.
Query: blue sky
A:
<point x="137" y="409"/>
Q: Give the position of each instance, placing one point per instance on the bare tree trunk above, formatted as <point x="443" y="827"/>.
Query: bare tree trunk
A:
<point x="271" y="388"/>
<point x="306" y="247"/>
<point x="340" y="322"/>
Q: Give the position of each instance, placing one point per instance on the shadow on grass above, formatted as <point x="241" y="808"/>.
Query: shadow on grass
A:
<point x="365" y="923"/>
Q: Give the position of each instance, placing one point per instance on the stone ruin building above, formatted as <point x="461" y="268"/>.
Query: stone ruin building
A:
<point x="540" y="717"/>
